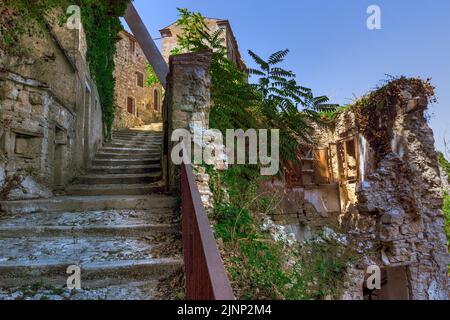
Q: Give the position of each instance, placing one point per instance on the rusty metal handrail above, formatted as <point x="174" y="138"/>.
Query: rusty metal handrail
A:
<point x="206" y="278"/>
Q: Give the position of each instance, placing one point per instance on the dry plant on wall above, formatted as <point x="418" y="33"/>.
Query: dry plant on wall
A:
<point x="376" y="112"/>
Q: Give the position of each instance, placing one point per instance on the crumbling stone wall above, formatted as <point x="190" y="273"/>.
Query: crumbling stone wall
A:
<point x="51" y="121"/>
<point x="393" y="212"/>
<point x="130" y="59"/>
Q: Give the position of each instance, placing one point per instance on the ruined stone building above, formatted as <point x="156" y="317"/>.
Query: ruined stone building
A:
<point x="373" y="177"/>
<point x="50" y="113"/>
<point x="137" y="103"/>
<point x="169" y="36"/>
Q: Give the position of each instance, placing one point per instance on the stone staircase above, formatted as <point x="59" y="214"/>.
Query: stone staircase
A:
<point x="129" y="165"/>
<point x="113" y="224"/>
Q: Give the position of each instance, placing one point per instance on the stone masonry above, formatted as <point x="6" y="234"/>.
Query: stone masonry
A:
<point x="50" y="114"/>
<point x="188" y="94"/>
<point x="170" y="33"/>
<point x="137" y="104"/>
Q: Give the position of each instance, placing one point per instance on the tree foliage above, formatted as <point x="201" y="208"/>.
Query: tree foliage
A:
<point x="152" y="78"/>
<point x="276" y="101"/>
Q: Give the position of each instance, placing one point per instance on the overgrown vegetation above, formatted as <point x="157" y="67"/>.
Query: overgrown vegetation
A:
<point x="152" y="78"/>
<point x="445" y="165"/>
<point x="276" y="101"/>
<point x="447" y="217"/>
<point x="259" y="266"/>
<point x="101" y="24"/>
<point x="376" y="112"/>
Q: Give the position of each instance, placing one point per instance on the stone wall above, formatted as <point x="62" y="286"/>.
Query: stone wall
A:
<point x="393" y="209"/>
<point x="189" y="101"/>
<point x="388" y="204"/>
<point x="129" y="60"/>
<point x="51" y="122"/>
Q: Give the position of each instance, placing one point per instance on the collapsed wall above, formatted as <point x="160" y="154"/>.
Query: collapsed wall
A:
<point x="373" y="177"/>
<point x="390" y="190"/>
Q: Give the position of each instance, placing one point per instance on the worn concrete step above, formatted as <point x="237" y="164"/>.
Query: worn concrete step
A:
<point x="131" y="156"/>
<point x="136" y="178"/>
<point x="114" y="189"/>
<point x="125" y="161"/>
<point x="91" y="203"/>
<point x="124" y="169"/>
<point x="93" y="274"/>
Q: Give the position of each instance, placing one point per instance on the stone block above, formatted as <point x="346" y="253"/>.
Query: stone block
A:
<point x="35" y="98"/>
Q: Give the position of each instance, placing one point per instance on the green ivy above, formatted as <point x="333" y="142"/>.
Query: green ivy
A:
<point x="152" y="78"/>
<point x="100" y="19"/>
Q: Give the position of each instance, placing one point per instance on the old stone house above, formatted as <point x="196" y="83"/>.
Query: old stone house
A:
<point x="169" y="39"/>
<point x="137" y="103"/>
<point x="50" y="113"/>
<point x="377" y="183"/>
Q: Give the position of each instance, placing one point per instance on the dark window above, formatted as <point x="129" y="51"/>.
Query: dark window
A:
<point x="156" y="99"/>
<point x="139" y="79"/>
<point x="132" y="46"/>
<point x="130" y="105"/>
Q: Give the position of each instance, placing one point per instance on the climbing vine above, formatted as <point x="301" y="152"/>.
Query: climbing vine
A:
<point x="101" y="24"/>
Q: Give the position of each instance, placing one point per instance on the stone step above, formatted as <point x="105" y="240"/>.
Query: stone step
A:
<point x="125" y="161"/>
<point x="140" y="230"/>
<point x="140" y="290"/>
<point x="133" y="144"/>
<point x="131" y="156"/>
<point x="114" y="189"/>
<point x="105" y="218"/>
<point x="137" y="136"/>
<point x="93" y="274"/>
<point x="137" y="178"/>
<point x="74" y="250"/>
<point x="123" y="169"/>
<point x="90" y="203"/>
<point x="130" y="150"/>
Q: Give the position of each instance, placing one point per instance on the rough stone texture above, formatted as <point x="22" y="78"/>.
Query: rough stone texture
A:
<point x="394" y="208"/>
<point x="125" y="245"/>
<point x="50" y="125"/>
<point x="188" y="94"/>
<point x="128" y="62"/>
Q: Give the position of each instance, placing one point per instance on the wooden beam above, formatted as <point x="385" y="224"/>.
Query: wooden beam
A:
<point x="147" y="44"/>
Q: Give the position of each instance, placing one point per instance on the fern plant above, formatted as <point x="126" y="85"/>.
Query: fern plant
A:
<point x="287" y="105"/>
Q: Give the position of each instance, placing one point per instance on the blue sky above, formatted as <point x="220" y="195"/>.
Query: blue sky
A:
<point x="332" y="51"/>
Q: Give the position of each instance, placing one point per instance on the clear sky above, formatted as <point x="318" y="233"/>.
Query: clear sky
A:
<point x="332" y="50"/>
